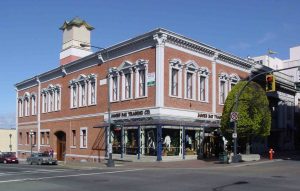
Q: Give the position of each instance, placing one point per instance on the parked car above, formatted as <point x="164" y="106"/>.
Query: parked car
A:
<point x="8" y="157"/>
<point x="41" y="158"/>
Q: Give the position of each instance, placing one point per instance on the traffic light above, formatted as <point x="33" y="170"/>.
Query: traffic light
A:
<point x="270" y="83"/>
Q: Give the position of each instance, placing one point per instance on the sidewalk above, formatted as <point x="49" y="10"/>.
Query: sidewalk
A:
<point x="189" y="163"/>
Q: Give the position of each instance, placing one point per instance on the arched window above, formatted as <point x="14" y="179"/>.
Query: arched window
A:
<point x="26" y="104"/>
<point x="33" y="104"/>
<point x="83" y="90"/>
<point x="20" y="106"/>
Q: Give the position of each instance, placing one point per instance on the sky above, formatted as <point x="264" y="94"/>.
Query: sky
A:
<point x="31" y="41"/>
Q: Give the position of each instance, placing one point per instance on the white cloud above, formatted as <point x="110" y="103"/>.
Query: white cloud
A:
<point x="267" y="37"/>
<point x="240" y="46"/>
<point x="7" y="120"/>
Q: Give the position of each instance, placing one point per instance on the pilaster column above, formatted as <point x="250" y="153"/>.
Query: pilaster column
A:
<point x="214" y="84"/>
<point x="39" y="114"/>
<point x="159" y="65"/>
<point x="17" y="118"/>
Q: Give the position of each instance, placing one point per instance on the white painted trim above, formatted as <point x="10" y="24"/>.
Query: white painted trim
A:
<point x="81" y="137"/>
<point x="159" y="67"/>
<point x="74" y="52"/>
<point x="205" y="57"/>
<point x="39" y="113"/>
<point x="17" y="119"/>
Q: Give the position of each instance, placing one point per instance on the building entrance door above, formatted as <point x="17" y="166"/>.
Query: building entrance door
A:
<point x="61" y="145"/>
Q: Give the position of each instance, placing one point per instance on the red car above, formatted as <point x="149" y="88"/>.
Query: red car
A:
<point x="8" y="157"/>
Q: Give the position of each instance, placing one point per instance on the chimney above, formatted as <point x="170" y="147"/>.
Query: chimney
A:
<point x="75" y="32"/>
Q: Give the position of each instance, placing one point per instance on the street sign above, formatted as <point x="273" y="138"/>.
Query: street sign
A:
<point x="234" y="116"/>
<point x="234" y="135"/>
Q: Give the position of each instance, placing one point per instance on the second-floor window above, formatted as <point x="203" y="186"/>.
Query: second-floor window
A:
<point x="189" y="85"/>
<point x="20" y="107"/>
<point x="26" y="106"/>
<point x="128" y="86"/>
<point x="115" y="89"/>
<point x="175" y="78"/>
<point x="222" y="91"/>
<point x="83" y="91"/>
<point x="203" y="88"/>
<point x="51" y="97"/>
<point x="174" y="82"/>
<point x="33" y="105"/>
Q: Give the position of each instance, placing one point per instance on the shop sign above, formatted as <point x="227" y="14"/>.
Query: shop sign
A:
<point x="209" y="116"/>
<point x="131" y="113"/>
<point x="151" y="79"/>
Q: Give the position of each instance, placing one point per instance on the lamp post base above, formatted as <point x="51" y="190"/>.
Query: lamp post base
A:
<point x="110" y="161"/>
<point x="236" y="159"/>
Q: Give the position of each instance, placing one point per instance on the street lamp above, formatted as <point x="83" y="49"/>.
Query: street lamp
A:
<point x="10" y="146"/>
<point x="31" y="134"/>
<point x="110" y="162"/>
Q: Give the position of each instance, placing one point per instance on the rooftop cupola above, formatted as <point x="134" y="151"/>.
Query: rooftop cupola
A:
<point x="75" y="32"/>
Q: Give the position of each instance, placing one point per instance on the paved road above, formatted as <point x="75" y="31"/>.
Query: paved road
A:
<point x="265" y="175"/>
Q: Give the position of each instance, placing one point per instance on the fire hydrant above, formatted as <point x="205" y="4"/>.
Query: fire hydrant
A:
<point x="271" y="152"/>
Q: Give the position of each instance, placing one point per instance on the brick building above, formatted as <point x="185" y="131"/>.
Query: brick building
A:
<point x="166" y="95"/>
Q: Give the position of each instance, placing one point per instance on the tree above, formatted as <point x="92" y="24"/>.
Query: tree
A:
<point x="254" y="116"/>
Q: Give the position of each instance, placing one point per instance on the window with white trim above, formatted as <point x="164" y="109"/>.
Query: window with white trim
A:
<point x="51" y="98"/>
<point x="82" y="94"/>
<point x="33" y="104"/>
<point x="73" y="138"/>
<point x="74" y="95"/>
<point x="175" y="78"/>
<point x="203" y="84"/>
<point x="50" y="101"/>
<point x="20" y="107"/>
<point x="234" y="79"/>
<point x="83" y="91"/>
<point x="44" y="102"/>
<point x="141" y="73"/>
<point x="47" y="138"/>
<point x="26" y="106"/>
<point x="223" y="90"/>
<point x="190" y="80"/>
<point x="174" y="82"/>
<point x="83" y="138"/>
<point x="114" y="87"/>
<point x="42" y="138"/>
<point x="128" y="87"/>
<point x="92" y="91"/>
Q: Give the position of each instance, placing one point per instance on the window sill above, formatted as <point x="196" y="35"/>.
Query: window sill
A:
<point x="127" y="99"/>
<point x="83" y="147"/>
<point x="114" y="101"/>
<point x="142" y="97"/>
<point x="94" y="104"/>
<point x="203" y="101"/>
<point x="45" y="145"/>
<point x="178" y="97"/>
<point x="190" y="99"/>
<point x="73" y="147"/>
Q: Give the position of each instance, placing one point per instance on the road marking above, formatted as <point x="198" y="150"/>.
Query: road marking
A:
<point x="67" y="176"/>
<point x="257" y="163"/>
<point x="35" y="172"/>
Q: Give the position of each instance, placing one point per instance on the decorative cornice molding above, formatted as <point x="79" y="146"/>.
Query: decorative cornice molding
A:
<point x="160" y="39"/>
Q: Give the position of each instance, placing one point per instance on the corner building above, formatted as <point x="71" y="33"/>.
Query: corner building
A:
<point x="162" y="93"/>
